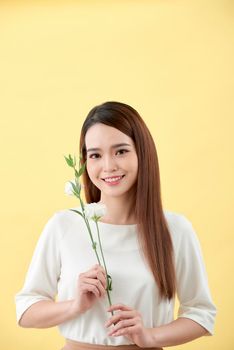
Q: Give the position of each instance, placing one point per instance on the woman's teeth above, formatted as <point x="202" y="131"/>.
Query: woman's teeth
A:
<point x="113" y="179"/>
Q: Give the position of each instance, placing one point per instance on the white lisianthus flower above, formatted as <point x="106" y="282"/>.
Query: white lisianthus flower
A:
<point x="94" y="210"/>
<point x="68" y="188"/>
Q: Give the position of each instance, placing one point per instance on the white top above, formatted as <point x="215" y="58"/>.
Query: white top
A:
<point x="64" y="251"/>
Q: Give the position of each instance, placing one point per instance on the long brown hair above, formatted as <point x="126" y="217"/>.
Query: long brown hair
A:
<point x="153" y="233"/>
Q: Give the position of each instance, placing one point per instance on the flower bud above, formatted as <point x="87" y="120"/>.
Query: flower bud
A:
<point x="68" y="188"/>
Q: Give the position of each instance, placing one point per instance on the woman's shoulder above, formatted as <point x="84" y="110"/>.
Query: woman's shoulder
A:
<point x="66" y="215"/>
<point x="60" y="222"/>
<point x="179" y="225"/>
<point x="63" y="218"/>
<point x="175" y="219"/>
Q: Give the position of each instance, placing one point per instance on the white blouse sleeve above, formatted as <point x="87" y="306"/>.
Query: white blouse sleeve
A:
<point x="44" y="270"/>
<point x="192" y="284"/>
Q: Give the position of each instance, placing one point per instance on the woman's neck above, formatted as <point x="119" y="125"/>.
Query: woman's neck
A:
<point x="119" y="211"/>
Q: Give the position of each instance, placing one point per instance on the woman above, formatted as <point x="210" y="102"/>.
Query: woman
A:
<point x="151" y="253"/>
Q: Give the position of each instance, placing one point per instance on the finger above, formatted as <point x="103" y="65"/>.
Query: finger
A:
<point x="90" y="288"/>
<point x="99" y="268"/>
<point x="123" y="324"/>
<point x="120" y="316"/>
<point x="98" y="274"/>
<point x="126" y="331"/>
<point x="119" y="307"/>
<point x="96" y="267"/>
<point x="97" y="283"/>
<point x="102" y="278"/>
<point x="92" y="273"/>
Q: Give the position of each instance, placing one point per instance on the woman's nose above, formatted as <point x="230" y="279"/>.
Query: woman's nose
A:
<point x="109" y="164"/>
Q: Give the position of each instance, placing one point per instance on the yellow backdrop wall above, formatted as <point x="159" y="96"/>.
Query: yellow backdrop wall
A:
<point x="173" y="62"/>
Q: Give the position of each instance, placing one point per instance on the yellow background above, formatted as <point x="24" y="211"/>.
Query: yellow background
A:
<point x="173" y="62"/>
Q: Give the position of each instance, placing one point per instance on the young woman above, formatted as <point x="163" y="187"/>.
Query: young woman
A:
<point x="151" y="254"/>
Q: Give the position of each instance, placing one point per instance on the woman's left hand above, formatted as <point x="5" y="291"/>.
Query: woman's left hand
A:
<point x="128" y="322"/>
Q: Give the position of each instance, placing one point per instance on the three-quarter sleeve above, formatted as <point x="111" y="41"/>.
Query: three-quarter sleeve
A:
<point x="192" y="283"/>
<point x="44" y="269"/>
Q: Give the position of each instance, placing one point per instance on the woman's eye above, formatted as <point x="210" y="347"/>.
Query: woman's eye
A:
<point x="122" y="151"/>
<point x="93" y="156"/>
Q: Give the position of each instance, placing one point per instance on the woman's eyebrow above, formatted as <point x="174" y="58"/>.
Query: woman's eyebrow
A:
<point x="113" y="146"/>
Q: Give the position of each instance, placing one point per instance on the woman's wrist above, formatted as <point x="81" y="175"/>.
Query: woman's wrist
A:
<point x="153" y="338"/>
<point x="74" y="309"/>
<point x="150" y="338"/>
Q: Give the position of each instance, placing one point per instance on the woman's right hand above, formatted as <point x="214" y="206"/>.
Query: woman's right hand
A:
<point x="91" y="285"/>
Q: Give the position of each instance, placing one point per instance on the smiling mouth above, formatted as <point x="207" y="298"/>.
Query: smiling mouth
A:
<point x="113" y="179"/>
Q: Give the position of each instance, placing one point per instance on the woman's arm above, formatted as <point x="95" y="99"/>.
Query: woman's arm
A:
<point x="179" y="331"/>
<point x="49" y="313"/>
<point x="37" y="297"/>
<point x="128" y="322"/>
<point x="46" y="313"/>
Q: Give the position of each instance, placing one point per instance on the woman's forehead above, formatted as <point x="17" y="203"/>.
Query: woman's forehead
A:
<point x="101" y="135"/>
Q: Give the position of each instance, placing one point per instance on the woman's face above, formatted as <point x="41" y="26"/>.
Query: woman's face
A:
<point x="112" y="163"/>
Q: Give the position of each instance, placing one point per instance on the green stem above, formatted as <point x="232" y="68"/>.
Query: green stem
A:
<point x="108" y="294"/>
<point x="89" y="230"/>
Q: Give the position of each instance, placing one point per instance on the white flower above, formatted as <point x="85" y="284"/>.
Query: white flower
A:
<point x="68" y="188"/>
<point x="95" y="210"/>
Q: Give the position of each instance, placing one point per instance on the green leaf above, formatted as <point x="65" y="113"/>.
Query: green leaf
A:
<point x="77" y="211"/>
<point x="82" y="169"/>
<point x="69" y="161"/>
<point x="109" y="279"/>
<point x="94" y="245"/>
<point x="76" y="173"/>
<point x="75" y="189"/>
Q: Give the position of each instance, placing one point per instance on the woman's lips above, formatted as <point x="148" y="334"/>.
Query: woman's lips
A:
<point x="114" y="180"/>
